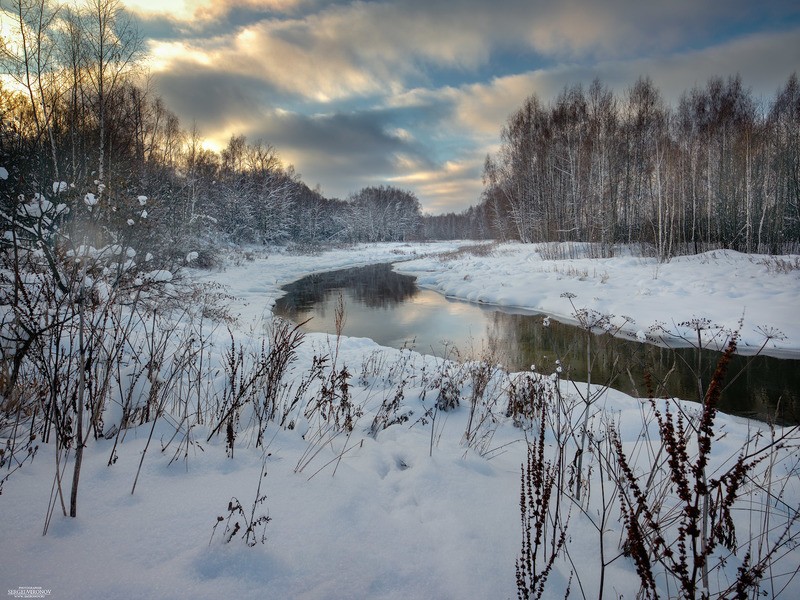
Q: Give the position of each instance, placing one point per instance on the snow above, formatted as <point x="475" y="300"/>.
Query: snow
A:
<point x="38" y="207"/>
<point x="722" y="285"/>
<point x="412" y="513"/>
<point x="158" y="276"/>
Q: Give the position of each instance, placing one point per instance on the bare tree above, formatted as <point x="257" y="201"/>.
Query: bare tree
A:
<point x="112" y="45"/>
<point x="30" y="61"/>
<point x="715" y="172"/>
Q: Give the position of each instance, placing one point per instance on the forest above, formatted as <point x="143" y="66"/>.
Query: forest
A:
<point x="720" y="170"/>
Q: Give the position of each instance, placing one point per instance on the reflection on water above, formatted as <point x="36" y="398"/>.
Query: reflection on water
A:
<point x="384" y="306"/>
<point x="375" y="287"/>
<point x="390" y="309"/>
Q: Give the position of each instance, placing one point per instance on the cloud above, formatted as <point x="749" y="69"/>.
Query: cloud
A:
<point x="220" y="102"/>
<point x="158" y="26"/>
<point x="342" y="151"/>
<point x="221" y="9"/>
<point x="208" y="11"/>
<point x="451" y="187"/>
<point x="764" y="61"/>
<point x="345" y="51"/>
<point x="333" y="52"/>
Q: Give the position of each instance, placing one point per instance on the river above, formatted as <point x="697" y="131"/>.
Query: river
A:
<point x="390" y="309"/>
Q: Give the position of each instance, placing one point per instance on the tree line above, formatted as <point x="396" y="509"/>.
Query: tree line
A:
<point x="720" y="169"/>
<point x="78" y="116"/>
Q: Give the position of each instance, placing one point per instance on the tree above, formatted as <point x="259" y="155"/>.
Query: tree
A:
<point x="779" y="222"/>
<point x="30" y="62"/>
<point x="382" y="214"/>
<point x="712" y="173"/>
<point x="111" y="46"/>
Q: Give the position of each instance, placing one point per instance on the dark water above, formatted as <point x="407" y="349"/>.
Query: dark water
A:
<point x="390" y="309"/>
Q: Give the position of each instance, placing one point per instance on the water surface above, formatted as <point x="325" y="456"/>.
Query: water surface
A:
<point x="390" y="309"/>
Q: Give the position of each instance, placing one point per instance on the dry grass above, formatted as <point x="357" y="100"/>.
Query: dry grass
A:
<point x="481" y="250"/>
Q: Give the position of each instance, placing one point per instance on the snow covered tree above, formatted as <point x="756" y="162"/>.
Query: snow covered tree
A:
<point x="257" y="192"/>
<point x="382" y="214"/>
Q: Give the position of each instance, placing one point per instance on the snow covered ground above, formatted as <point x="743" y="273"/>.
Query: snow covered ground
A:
<point x="723" y="286"/>
<point x="413" y="512"/>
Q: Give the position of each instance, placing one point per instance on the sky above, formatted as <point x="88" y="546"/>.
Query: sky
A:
<point x="415" y="93"/>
